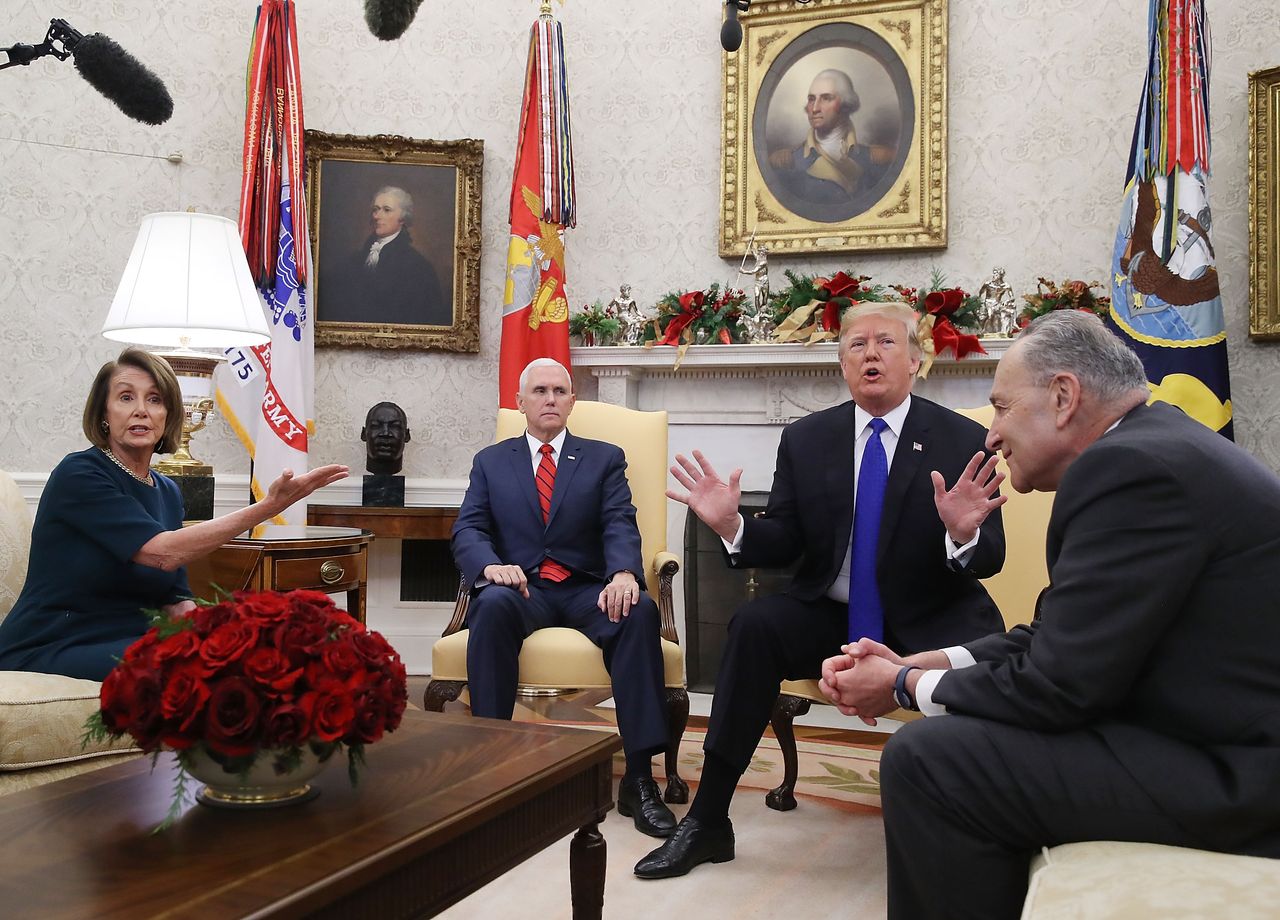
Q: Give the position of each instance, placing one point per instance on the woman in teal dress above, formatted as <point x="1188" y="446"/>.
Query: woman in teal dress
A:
<point x="108" y="541"/>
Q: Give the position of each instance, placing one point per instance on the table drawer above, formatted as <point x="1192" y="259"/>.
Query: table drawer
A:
<point x="336" y="572"/>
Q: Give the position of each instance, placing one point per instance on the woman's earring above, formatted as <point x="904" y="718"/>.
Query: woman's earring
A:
<point x="105" y="426"/>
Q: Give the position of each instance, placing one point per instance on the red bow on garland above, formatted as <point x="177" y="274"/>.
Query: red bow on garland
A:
<point x="945" y="335"/>
<point x="690" y="309"/>
<point x="837" y="291"/>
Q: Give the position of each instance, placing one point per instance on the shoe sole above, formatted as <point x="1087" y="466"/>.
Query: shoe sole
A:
<point x="637" y="818"/>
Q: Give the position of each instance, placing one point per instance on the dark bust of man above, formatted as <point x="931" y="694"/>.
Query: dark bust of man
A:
<point x="385" y="433"/>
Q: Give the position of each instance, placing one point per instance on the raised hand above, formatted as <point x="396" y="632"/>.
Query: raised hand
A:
<point x="289" y="488"/>
<point x="714" y="501"/>
<point x="975" y="495"/>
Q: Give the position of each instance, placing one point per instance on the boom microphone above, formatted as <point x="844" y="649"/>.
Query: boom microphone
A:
<point x="731" y="30"/>
<point x="106" y="66"/>
<point x="123" y="79"/>
<point x="388" y="19"/>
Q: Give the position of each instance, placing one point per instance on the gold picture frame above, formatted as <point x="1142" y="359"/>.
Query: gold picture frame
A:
<point x="421" y="287"/>
<point x="785" y="192"/>
<point x="1264" y="205"/>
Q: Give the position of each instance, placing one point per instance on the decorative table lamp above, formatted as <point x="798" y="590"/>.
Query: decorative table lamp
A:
<point x="187" y="286"/>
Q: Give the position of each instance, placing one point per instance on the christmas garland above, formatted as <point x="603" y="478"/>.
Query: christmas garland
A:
<point x="1073" y="295"/>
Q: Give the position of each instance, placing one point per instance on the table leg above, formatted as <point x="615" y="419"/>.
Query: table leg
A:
<point x="586" y="872"/>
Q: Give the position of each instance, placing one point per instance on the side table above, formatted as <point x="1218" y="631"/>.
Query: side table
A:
<point x="283" y="558"/>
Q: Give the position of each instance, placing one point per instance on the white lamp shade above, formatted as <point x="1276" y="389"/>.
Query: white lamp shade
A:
<point x="187" y="283"/>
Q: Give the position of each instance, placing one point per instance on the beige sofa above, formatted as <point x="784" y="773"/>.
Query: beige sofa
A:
<point x="41" y="715"/>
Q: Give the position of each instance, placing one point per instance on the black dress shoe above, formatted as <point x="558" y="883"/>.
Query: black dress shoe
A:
<point x="693" y="843"/>
<point x="641" y="800"/>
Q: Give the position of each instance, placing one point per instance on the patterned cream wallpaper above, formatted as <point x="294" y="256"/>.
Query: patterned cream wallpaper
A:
<point x="1043" y="96"/>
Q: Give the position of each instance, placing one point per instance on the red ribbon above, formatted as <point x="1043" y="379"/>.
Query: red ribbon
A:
<point x="943" y="303"/>
<point x="839" y="284"/>
<point x="946" y="335"/>
<point x="830" y="321"/>
<point x="691" y="309"/>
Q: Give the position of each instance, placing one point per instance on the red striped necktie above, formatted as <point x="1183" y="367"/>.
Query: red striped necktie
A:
<point x="546" y="480"/>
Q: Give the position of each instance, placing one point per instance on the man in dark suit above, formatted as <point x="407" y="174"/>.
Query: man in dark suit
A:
<point x="1143" y="701"/>
<point x="387" y="280"/>
<point x="910" y="580"/>
<point x="547" y="536"/>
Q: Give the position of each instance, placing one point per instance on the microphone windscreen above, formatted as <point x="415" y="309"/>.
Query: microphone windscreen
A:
<point x="388" y="19"/>
<point x="731" y="34"/>
<point x="120" y="77"/>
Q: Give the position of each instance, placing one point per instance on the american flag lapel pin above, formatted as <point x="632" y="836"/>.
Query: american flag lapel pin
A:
<point x="916" y="445"/>
<point x="571" y="457"/>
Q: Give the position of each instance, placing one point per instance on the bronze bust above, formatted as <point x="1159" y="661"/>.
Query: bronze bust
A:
<point x="385" y="433"/>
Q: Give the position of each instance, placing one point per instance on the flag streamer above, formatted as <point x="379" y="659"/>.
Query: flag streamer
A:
<point x="273" y="134"/>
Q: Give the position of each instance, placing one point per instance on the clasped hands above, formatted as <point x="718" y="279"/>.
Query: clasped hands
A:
<point x="615" y="600"/>
<point x="859" y="681"/>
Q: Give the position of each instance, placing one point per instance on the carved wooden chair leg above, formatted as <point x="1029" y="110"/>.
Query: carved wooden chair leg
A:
<point x="785" y="710"/>
<point x="677" y="792"/>
<point x="440" y="692"/>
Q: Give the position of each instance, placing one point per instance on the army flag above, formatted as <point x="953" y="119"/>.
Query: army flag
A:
<point x="266" y="392"/>
<point x="535" y="309"/>
<point x="1165" y="301"/>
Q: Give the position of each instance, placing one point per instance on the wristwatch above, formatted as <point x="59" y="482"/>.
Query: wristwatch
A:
<point x="900" y="694"/>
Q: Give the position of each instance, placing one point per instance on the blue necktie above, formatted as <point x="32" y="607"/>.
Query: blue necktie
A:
<point x="866" y="616"/>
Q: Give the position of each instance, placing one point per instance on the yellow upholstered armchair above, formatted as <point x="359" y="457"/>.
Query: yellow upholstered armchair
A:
<point x="561" y="658"/>
<point x="1014" y="589"/>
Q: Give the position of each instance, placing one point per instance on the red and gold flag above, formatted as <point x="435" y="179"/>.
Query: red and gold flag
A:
<point x="535" y="309"/>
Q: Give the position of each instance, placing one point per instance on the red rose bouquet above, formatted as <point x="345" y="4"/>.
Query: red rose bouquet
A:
<point x="263" y="674"/>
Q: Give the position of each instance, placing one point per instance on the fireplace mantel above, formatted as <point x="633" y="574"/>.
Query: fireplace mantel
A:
<point x="755" y="384"/>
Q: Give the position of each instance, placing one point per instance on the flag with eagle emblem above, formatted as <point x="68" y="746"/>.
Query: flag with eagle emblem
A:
<point x="1165" y="302"/>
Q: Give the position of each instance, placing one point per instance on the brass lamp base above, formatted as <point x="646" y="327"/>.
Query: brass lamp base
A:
<point x="194" y="478"/>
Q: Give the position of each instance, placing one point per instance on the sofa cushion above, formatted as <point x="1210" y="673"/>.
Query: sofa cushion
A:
<point x="42" y="719"/>
<point x="1108" y="879"/>
<point x="15" y="542"/>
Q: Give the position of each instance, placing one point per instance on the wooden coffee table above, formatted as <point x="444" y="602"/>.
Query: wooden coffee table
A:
<point x="446" y="804"/>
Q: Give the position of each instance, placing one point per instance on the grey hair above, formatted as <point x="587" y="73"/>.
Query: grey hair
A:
<point x="1079" y="343"/>
<point x="403" y="197"/>
<point x="543" y="362"/>
<point x="844" y="88"/>
<point x="890" y="309"/>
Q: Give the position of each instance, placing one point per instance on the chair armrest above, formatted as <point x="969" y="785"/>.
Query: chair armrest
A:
<point x="665" y="565"/>
<point x="664" y="560"/>
<point x="459" y="608"/>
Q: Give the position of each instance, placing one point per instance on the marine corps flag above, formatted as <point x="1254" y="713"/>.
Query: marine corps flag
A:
<point x="535" y="310"/>
<point x="266" y="393"/>
<point x="1165" y="300"/>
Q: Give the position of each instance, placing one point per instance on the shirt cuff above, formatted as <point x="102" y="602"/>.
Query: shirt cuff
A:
<point x="735" y="547"/>
<point x="959" y="657"/>
<point x="961" y="554"/>
<point x="924" y="694"/>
